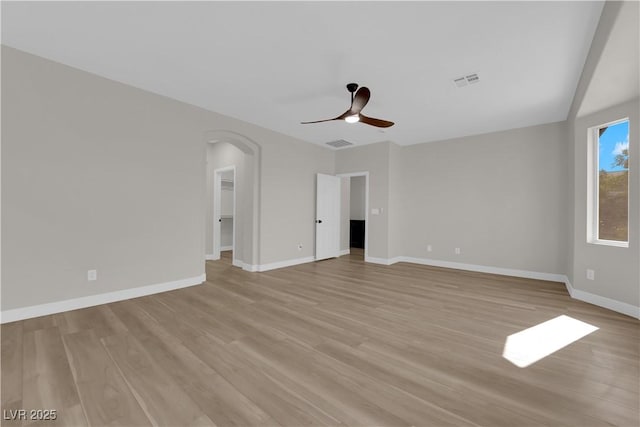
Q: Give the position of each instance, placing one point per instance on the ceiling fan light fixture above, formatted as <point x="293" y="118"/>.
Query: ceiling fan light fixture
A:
<point x="354" y="118"/>
<point x="352" y="115"/>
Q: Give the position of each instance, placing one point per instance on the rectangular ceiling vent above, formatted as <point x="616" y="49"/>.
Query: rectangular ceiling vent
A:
<point x="466" y="80"/>
<point x="339" y="143"/>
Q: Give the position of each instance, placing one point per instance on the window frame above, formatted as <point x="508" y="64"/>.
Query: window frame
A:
<point x="593" y="190"/>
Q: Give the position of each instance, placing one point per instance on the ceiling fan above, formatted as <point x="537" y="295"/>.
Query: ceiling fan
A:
<point x="353" y="115"/>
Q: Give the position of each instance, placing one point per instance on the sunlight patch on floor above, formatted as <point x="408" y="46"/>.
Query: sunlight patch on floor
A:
<point x="526" y="347"/>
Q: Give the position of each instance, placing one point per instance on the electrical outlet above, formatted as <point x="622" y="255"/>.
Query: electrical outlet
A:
<point x="299" y="246"/>
<point x="92" y="275"/>
<point x="429" y="248"/>
<point x="457" y="251"/>
<point x="591" y="275"/>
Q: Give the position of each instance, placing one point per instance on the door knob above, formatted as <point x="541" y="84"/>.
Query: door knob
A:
<point x="318" y="221"/>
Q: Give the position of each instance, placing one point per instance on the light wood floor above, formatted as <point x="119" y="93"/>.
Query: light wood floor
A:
<point x="337" y="342"/>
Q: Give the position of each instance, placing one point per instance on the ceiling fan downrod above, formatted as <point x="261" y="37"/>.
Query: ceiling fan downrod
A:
<point x="352" y="87"/>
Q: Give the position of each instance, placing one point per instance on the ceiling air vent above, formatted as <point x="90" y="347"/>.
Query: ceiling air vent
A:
<point x="466" y="80"/>
<point x="339" y="143"/>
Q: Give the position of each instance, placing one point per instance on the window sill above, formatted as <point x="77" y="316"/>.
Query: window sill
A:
<point x="613" y="243"/>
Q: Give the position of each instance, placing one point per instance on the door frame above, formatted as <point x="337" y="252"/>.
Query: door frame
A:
<point x="366" y="205"/>
<point x="217" y="202"/>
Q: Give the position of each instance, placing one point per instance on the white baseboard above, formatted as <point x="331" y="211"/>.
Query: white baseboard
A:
<point x="382" y="261"/>
<point x="620" y="307"/>
<point x="245" y="266"/>
<point x="212" y="257"/>
<point x="287" y="263"/>
<point x="485" y="269"/>
<point x="345" y="252"/>
<point x="93" y="300"/>
<point x="611" y="304"/>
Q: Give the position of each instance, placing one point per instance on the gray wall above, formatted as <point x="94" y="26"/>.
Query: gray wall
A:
<point x="95" y="175"/>
<point x="397" y="203"/>
<point x="499" y="197"/>
<point x="100" y="175"/>
<point x="617" y="271"/>
<point x="373" y="158"/>
<point x="357" y="197"/>
<point x="288" y="200"/>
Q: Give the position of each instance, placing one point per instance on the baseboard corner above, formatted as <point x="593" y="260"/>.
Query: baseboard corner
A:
<point x="287" y="263"/>
<point x="382" y="261"/>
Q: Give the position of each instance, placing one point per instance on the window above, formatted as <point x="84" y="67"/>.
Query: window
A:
<point x="609" y="184"/>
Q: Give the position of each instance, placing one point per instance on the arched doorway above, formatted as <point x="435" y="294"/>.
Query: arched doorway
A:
<point x="247" y="243"/>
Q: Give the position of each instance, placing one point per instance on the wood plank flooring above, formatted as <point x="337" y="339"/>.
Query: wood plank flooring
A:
<point x="337" y="342"/>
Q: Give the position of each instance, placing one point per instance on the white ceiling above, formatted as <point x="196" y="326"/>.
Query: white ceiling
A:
<point x="276" y="64"/>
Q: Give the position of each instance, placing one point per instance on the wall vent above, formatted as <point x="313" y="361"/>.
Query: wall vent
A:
<point x="466" y="80"/>
<point x="339" y="143"/>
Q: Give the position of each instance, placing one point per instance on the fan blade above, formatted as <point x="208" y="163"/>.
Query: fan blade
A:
<point x="375" y="122"/>
<point x="319" y="121"/>
<point x="360" y="100"/>
<point x="340" y="117"/>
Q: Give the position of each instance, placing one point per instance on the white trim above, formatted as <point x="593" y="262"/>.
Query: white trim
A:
<point x="471" y="267"/>
<point x="608" y="303"/>
<point x="382" y="261"/>
<point x="593" y="187"/>
<point x="212" y="257"/>
<point x="570" y="289"/>
<point x="93" y="300"/>
<point x="485" y="269"/>
<point x="614" y="243"/>
<point x="252" y="161"/>
<point x="243" y="265"/>
<point x="287" y="263"/>
<point x="345" y="252"/>
<point x="254" y="268"/>
<point x="611" y="304"/>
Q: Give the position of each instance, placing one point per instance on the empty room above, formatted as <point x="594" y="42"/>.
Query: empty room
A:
<point x="333" y="213"/>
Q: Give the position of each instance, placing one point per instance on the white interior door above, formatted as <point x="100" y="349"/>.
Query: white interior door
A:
<point x="327" y="216"/>
<point x="217" y="208"/>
